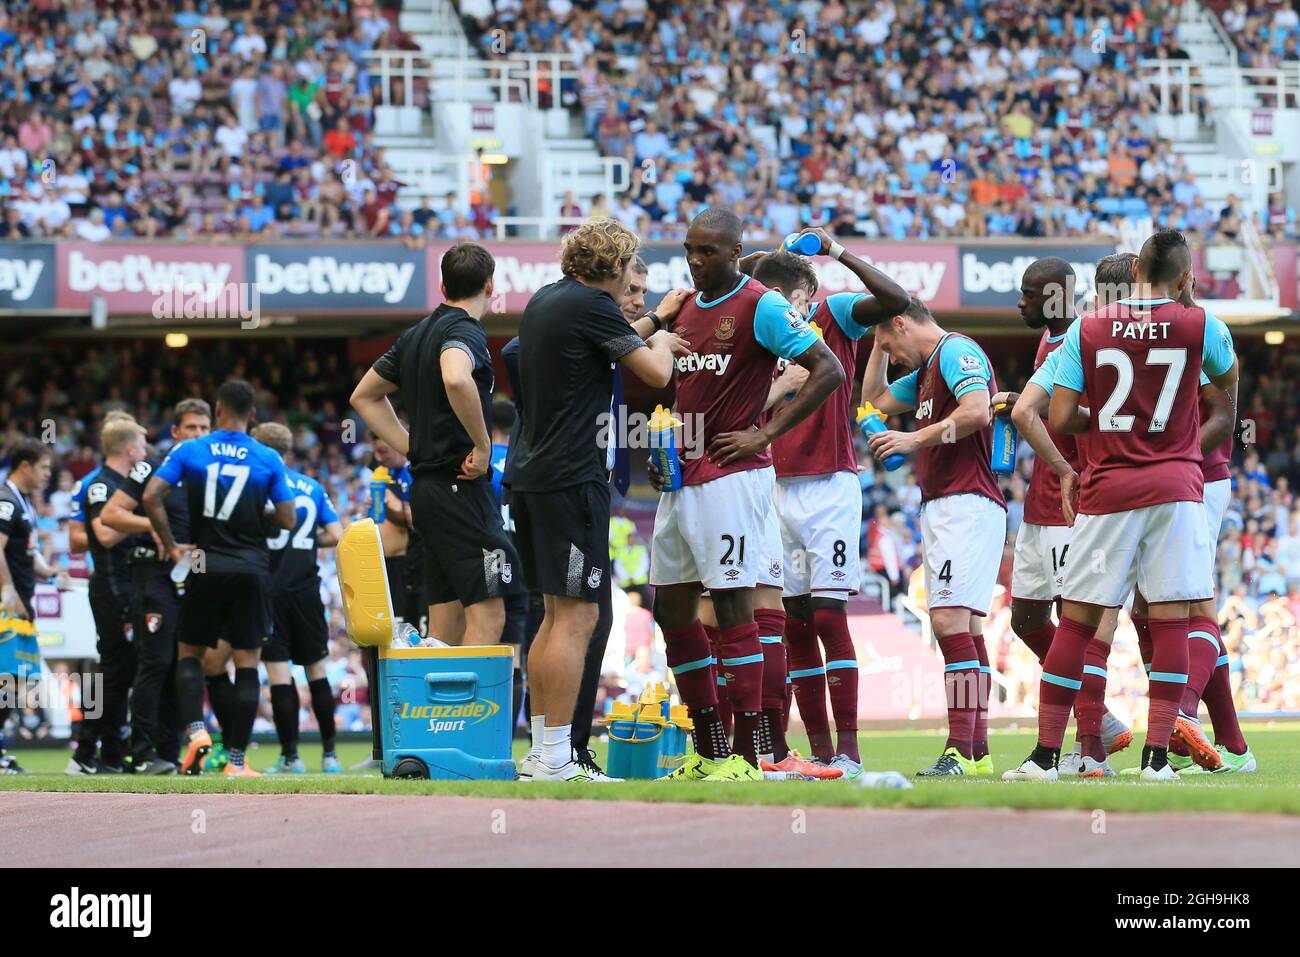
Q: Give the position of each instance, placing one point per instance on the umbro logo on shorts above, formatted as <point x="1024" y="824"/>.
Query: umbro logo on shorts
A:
<point x="732" y="574"/>
<point x="837" y="575"/>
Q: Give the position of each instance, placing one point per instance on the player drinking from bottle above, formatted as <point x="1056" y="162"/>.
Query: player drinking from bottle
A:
<point x="963" y="514"/>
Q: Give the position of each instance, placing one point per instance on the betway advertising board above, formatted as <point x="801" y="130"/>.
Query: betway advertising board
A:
<point x="370" y="278"/>
<point x="991" y="274"/>
<point x="132" y="276"/>
<point x="27" y="275"/>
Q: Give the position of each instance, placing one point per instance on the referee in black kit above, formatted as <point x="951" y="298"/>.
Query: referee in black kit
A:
<point x="444" y="371"/>
<point x="571" y="336"/>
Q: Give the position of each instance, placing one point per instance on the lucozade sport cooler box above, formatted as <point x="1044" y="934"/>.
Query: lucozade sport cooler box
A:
<point x="448" y="709"/>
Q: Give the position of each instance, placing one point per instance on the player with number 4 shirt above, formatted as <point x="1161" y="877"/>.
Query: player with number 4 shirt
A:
<point x="963" y="513"/>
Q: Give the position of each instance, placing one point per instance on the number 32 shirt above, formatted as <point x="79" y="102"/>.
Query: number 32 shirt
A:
<point x="229" y="478"/>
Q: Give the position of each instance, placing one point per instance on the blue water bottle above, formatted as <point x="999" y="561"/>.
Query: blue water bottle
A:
<point x="1005" y="439"/>
<point x="807" y="243"/>
<point x="871" y="420"/>
<point x="663" y="448"/>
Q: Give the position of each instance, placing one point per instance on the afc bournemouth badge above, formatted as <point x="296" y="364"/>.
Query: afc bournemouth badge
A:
<point x="153" y="623"/>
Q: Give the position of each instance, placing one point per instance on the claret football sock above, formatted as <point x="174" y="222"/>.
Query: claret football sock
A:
<point x="1039" y="640"/>
<point x="961" y="683"/>
<point x="771" y="628"/>
<point x="1090" y="704"/>
<point x="807" y="676"/>
<point x="980" y="737"/>
<point x="1062" y="678"/>
<point x="832" y="626"/>
<point x="1168" y="677"/>
<point x="719" y="679"/>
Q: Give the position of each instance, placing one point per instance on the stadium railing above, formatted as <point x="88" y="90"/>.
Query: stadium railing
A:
<point x="519" y="78"/>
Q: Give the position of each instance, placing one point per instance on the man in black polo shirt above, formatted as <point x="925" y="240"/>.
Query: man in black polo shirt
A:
<point x="155" y="710"/>
<point x="444" y="371"/>
<point x="571" y="336"/>
<point x="111" y="598"/>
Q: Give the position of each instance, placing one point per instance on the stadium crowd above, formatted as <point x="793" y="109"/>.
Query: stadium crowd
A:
<point x="879" y="119"/>
<point x="201" y="121"/>
<point x="64" y="393"/>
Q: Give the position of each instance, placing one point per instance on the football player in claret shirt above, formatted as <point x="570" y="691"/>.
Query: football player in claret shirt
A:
<point x="1043" y="542"/>
<point x="230" y="478"/>
<point x="1135" y="366"/>
<point x="963" y="513"/>
<point x="819" y="502"/>
<point x="714" y="531"/>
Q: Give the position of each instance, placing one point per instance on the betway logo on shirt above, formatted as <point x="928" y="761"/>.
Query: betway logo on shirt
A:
<point x="330" y="276"/>
<point x="924" y="410"/>
<point x="708" y="362"/>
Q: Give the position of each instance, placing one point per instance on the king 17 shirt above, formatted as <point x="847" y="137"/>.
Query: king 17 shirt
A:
<point x="230" y="477"/>
<point x="293" y="553"/>
<point x="737" y="340"/>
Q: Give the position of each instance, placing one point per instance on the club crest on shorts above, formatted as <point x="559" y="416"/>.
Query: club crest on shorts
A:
<point x="129" y="632"/>
<point x="774" y="569"/>
<point x="593" y="580"/>
<point x="726" y="328"/>
<point x="507" y="573"/>
<point x="152" y="623"/>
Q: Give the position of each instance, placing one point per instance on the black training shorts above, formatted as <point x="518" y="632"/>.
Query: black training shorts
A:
<point x="564" y="538"/>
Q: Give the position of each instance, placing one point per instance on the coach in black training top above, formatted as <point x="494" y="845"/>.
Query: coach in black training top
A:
<point x="570" y="337"/>
<point x="444" y="371"/>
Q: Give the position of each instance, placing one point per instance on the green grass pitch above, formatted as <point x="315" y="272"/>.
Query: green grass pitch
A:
<point x="1275" y="788"/>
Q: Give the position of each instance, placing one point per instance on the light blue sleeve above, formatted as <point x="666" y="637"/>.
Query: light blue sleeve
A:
<point x="841" y="306"/>
<point x="963" y="366"/>
<point x="1044" y="377"/>
<point x="1069" y="368"/>
<point x="173" y="467"/>
<point x="1205" y="380"/>
<point x="1218" y="355"/>
<point x="324" y="507"/>
<point x="904" y="389"/>
<point x="780" y="329"/>
<point x="278" y="488"/>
